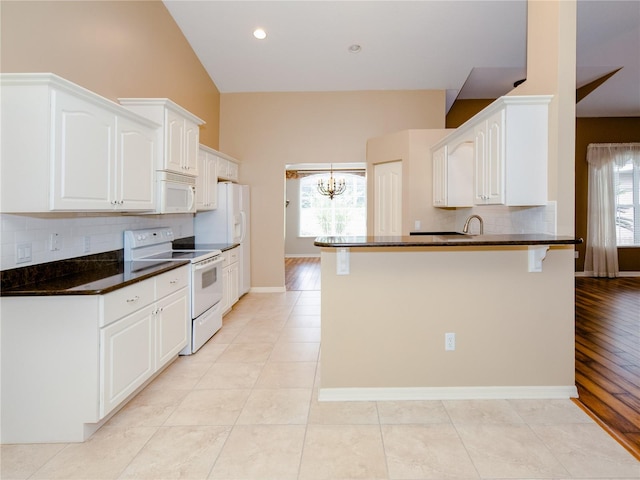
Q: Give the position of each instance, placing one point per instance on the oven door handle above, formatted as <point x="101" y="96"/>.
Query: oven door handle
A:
<point x="208" y="264"/>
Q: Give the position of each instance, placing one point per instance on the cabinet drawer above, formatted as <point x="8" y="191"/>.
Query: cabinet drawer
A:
<point x="225" y="258"/>
<point x="234" y="255"/>
<point x="172" y="281"/>
<point x="126" y="300"/>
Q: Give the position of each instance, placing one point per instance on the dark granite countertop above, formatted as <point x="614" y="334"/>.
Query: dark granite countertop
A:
<point x="90" y="275"/>
<point x="190" y="243"/>
<point x="454" y="240"/>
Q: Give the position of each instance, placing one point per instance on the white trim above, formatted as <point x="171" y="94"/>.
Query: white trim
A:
<point x="302" y="255"/>
<point x="629" y="274"/>
<point x="620" y="274"/>
<point x="267" y="289"/>
<point x="444" y="393"/>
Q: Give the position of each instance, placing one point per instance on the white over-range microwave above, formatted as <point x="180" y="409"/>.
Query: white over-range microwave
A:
<point x="176" y="193"/>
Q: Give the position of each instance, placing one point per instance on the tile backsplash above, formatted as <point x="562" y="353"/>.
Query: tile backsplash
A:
<point x="75" y="234"/>
<point x="499" y="219"/>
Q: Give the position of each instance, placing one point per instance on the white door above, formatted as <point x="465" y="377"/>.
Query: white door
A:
<point x="387" y="196"/>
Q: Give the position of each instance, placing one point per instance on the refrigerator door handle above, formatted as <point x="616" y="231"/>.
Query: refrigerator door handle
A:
<point x="243" y="216"/>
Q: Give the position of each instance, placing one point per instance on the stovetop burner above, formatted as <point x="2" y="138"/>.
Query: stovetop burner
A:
<point x="155" y="245"/>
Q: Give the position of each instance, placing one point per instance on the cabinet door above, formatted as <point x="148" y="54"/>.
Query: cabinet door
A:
<point x="212" y="182"/>
<point x="225" y="303"/>
<point x="172" y="327"/>
<point x="439" y="177"/>
<point x="191" y="142"/>
<point x="174" y="142"/>
<point x="495" y="159"/>
<point x="459" y="175"/>
<point x="223" y="169"/>
<point x="127" y="357"/>
<point x="207" y="182"/>
<point x="201" y="182"/>
<point x="479" y="160"/>
<point x="83" y="155"/>
<point x="136" y="166"/>
<point x="232" y="171"/>
<point x="234" y="283"/>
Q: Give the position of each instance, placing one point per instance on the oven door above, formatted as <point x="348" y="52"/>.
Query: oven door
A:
<point x="206" y="284"/>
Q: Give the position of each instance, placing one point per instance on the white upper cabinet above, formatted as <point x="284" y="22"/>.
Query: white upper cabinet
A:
<point x="509" y="152"/>
<point x="180" y="133"/>
<point x="67" y="149"/>
<point x="207" y="181"/>
<point x="453" y="174"/>
<point x="228" y="168"/>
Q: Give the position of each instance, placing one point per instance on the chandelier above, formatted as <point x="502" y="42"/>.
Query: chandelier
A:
<point x="333" y="187"/>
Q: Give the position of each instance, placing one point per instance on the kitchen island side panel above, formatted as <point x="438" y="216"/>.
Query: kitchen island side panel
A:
<point x="50" y="368"/>
<point x="384" y="324"/>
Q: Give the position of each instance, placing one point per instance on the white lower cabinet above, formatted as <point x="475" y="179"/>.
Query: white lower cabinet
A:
<point x="230" y="279"/>
<point x="172" y="331"/>
<point x="84" y="355"/>
<point x="127" y="357"/>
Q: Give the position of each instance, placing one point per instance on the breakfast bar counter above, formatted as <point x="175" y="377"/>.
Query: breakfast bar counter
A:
<point x="504" y="303"/>
<point x="444" y="240"/>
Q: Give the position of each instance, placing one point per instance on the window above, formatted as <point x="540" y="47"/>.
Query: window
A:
<point x="345" y="215"/>
<point x="627" y="188"/>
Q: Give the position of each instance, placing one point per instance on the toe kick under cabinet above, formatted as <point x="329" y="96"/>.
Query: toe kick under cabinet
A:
<point x="69" y="361"/>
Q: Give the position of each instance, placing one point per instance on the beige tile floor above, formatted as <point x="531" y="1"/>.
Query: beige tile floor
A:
<point x="244" y="407"/>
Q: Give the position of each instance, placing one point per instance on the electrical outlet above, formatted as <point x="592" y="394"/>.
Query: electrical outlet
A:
<point x="449" y="341"/>
<point x="576" y="254"/>
<point x="417" y="225"/>
<point x="342" y="261"/>
<point x="55" y="242"/>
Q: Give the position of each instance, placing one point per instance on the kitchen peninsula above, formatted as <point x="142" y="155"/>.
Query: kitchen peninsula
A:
<point x="388" y="303"/>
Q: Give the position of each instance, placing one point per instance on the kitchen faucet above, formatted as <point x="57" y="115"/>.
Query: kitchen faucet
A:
<point x="465" y="229"/>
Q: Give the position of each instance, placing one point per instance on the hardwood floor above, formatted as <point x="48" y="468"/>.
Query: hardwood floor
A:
<point x="607" y="347"/>
<point x="608" y="355"/>
<point x="302" y="273"/>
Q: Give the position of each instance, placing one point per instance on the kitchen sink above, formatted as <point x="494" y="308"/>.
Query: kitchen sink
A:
<point x="437" y="233"/>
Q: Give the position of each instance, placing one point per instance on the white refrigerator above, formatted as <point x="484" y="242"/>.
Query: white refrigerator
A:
<point x="229" y="223"/>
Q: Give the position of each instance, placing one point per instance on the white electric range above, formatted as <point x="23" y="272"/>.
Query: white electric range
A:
<point x="155" y="245"/>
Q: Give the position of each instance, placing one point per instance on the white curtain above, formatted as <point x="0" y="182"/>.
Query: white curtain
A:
<point x="601" y="259"/>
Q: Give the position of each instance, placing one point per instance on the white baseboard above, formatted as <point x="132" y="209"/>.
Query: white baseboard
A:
<point x="445" y="393"/>
<point x="302" y="255"/>
<point x="267" y="289"/>
<point x="620" y="274"/>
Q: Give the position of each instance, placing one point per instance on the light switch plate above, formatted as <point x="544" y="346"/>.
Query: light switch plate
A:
<point x="23" y="252"/>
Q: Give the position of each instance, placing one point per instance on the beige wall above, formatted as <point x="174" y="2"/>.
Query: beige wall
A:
<point x="413" y="148"/>
<point x="114" y="48"/>
<point x="551" y="69"/>
<point x="514" y="328"/>
<point x="266" y="131"/>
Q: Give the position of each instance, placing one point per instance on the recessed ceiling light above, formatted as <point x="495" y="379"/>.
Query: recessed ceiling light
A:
<point x="260" y="34"/>
<point x="355" y="48"/>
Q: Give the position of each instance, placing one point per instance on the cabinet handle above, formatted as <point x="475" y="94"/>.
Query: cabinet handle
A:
<point x="134" y="299"/>
<point x="173" y="282"/>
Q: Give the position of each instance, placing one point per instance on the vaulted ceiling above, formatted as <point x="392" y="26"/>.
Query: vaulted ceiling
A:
<point x="470" y="48"/>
